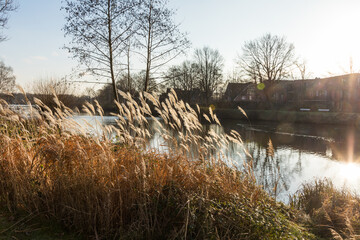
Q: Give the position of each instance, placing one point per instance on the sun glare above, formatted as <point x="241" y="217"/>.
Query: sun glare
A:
<point x="351" y="172"/>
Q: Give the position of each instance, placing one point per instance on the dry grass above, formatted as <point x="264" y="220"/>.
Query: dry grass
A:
<point x="333" y="213"/>
<point x="115" y="188"/>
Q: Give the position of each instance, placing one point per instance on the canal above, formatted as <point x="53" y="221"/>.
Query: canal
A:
<point x="284" y="155"/>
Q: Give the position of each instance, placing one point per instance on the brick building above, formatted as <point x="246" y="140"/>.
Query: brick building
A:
<point x="339" y="93"/>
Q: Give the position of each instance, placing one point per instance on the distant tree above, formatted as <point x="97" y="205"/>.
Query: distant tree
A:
<point x="6" y="6"/>
<point x="89" y="92"/>
<point x="100" y="31"/>
<point x="209" y="65"/>
<point x="235" y="76"/>
<point x="44" y="89"/>
<point x="183" y="76"/>
<point x="351" y="65"/>
<point x="346" y="70"/>
<point x="7" y="78"/>
<point x="105" y="99"/>
<point x="301" y="65"/>
<point x="158" y="36"/>
<point x="139" y="82"/>
<point x="267" y="58"/>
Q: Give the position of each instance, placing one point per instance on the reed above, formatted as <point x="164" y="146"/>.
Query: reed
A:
<point x="332" y="213"/>
<point x="109" y="185"/>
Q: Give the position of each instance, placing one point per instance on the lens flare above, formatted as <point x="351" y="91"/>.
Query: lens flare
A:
<point x="351" y="172"/>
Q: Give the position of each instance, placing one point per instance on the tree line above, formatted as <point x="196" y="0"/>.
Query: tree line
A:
<point x="109" y="37"/>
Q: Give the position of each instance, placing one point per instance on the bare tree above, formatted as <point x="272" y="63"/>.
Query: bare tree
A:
<point x="7" y="78"/>
<point x="183" y="76"/>
<point x="159" y="36"/>
<point x="100" y="31"/>
<point x="128" y="52"/>
<point x="351" y="67"/>
<point x="44" y="89"/>
<point x="209" y="64"/>
<point x="6" y="6"/>
<point x="235" y="76"/>
<point x="345" y="71"/>
<point x="267" y="58"/>
<point x="301" y="65"/>
<point x="139" y="80"/>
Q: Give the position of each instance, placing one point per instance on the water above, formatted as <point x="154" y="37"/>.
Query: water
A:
<point x="284" y="156"/>
<point x="301" y="153"/>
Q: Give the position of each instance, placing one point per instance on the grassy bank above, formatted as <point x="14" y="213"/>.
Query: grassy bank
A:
<point x="291" y="116"/>
<point x="111" y="186"/>
<point x="330" y="213"/>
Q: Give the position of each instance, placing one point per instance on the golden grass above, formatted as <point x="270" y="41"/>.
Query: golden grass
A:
<point x="116" y="188"/>
<point x="333" y="213"/>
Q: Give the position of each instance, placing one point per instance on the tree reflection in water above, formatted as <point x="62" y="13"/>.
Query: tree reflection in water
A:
<point x="285" y="155"/>
<point x="295" y="154"/>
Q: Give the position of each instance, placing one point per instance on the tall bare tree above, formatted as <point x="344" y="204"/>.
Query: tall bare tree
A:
<point x="7" y="78"/>
<point x="6" y="6"/>
<point x="267" y="58"/>
<point x="100" y="31"/>
<point x="209" y="64"/>
<point x="159" y="36"/>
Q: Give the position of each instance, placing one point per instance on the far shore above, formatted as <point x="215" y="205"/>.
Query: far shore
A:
<point x="290" y="116"/>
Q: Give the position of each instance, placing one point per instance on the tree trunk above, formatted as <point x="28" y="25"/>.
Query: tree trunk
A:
<point x="148" y="59"/>
<point x="128" y="69"/>
<point x="267" y="92"/>
<point x="111" y="61"/>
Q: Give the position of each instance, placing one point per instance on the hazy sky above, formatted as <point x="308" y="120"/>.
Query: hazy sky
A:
<point x="325" y="32"/>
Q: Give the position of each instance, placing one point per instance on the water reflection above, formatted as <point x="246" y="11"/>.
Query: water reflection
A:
<point x="300" y="153"/>
<point x="284" y="156"/>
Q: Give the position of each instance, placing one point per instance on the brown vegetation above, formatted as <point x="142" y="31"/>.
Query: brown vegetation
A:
<point x="333" y="213"/>
<point x="117" y="189"/>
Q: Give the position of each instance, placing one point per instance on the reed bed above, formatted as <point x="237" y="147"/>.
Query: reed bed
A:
<point x="331" y="213"/>
<point x="110" y="185"/>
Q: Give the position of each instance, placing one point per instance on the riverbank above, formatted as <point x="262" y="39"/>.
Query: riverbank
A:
<point x="290" y="116"/>
<point x="114" y="187"/>
<point x="104" y="190"/>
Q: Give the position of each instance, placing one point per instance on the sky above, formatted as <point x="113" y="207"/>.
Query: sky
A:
<point x="324" y="32"/>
